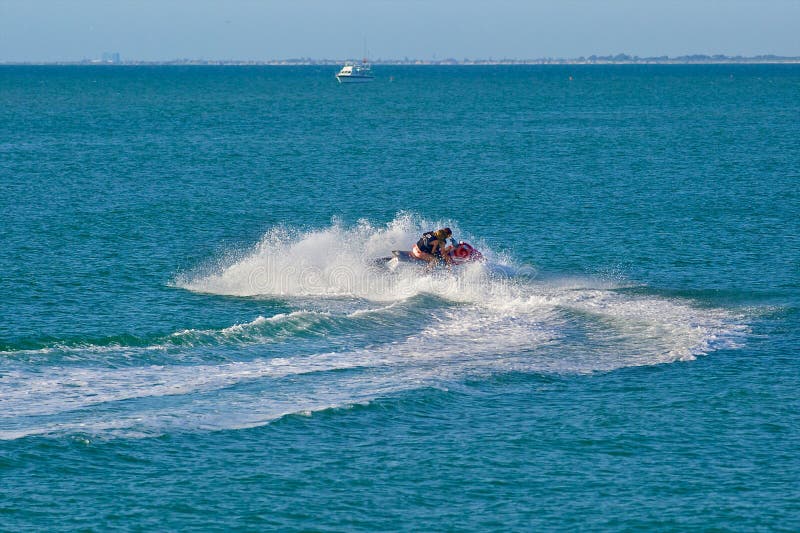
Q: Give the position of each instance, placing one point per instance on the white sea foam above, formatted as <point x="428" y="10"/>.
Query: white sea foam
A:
<point x="335" y="261"/>
<point x="474" y="343"/>
<point x="459" y="342"/>
<point x="482" y="324"/>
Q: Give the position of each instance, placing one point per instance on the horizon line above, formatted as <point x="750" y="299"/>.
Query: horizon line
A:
<point x="309" y="61"/>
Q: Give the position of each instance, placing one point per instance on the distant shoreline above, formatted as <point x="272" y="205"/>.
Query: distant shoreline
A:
<point x="620" y="59"/>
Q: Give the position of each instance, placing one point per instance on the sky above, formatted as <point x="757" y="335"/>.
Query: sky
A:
<point x="158" y="30"/>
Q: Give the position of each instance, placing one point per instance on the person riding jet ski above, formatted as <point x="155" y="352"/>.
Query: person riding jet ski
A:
<point x="432" y="249"/>
<point x="432" y="246"/>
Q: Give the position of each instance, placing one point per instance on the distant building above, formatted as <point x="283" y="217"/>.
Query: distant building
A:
<point x="110" y="57"/>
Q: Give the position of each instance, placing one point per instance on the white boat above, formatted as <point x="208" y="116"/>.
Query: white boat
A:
<point x="354" y="73"/>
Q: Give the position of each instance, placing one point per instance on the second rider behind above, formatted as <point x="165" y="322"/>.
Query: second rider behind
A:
<point x="432" y="247"/>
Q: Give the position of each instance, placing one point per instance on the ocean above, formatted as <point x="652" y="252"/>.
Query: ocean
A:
<point x="194" y="334"/>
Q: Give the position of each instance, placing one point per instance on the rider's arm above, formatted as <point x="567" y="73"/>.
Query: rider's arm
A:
<point x="441" y="246"/>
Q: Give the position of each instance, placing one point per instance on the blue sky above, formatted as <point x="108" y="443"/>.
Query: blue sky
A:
<point x="57" y="30"/>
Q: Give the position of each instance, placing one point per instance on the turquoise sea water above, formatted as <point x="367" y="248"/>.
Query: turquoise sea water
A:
<point x="192" y="334"/>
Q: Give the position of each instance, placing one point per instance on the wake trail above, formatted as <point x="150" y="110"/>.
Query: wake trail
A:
<point x="447" y="326"/>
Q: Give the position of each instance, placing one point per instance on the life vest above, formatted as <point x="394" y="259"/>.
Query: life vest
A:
<point x="425" y="244"/>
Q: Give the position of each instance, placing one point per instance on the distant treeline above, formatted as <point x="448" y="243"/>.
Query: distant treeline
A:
<point x="593" y="59"/>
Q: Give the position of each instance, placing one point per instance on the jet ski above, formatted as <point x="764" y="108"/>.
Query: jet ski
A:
<point x="459" y="254"/>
